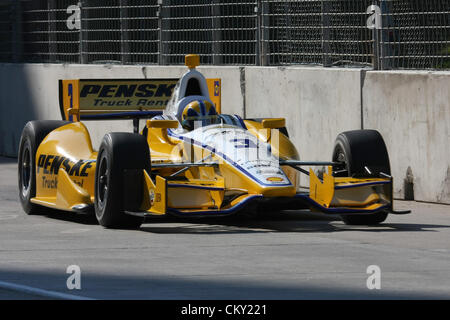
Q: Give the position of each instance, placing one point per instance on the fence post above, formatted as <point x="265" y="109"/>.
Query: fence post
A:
<point x="376" y="41"/>
<point x="216" y="33"/>
<point x="376" y="55"/>
<point x="51" y="28"/>
<point x="124" y="33"/>
<point x="383" y="37"/>
<point x="16" y="34"/>
<point x="264" y="33"/>
<point x="257" y="11"/>
<point x="83" y="26"/>
<point x="326" y="61"/>
<point x="163" y="26"/>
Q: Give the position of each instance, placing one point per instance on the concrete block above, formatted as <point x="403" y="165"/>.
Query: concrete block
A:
<point x="411" y="109"/>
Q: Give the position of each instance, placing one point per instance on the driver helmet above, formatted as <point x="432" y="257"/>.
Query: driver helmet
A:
<point x="199" y="110"/>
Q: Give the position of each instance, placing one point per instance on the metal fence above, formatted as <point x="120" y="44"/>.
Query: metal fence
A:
<point x="381" y="34"/>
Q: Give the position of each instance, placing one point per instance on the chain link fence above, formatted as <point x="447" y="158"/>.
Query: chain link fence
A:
<point x="317" y="32"/>
<point x="379" y="34"/>
<point x="415" y="34"/>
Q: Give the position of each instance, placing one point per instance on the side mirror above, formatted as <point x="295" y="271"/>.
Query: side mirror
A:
<point x="162" y="124"/>
<point x="274" y="123"/>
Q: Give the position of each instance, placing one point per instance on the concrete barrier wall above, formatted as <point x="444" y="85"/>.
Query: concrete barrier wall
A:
<point x="410" y="109"/>
<point x="412" y="112"/>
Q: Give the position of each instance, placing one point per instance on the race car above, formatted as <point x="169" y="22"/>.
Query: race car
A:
<point x="189" y="159"/>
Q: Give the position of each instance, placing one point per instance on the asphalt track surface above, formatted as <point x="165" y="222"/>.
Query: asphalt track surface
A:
<point x="290" y="255"/>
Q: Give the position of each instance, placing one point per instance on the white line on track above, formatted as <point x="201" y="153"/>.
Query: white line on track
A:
<point x="40" y="292"/>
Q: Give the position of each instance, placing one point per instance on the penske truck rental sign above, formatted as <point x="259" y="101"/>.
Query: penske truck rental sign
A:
<point x="93" y="96"/>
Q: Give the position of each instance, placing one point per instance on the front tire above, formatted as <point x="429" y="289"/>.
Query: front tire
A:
<point x="32" y="135"/>
<point x="119" y="154"/>
<point x="363" y="154"/>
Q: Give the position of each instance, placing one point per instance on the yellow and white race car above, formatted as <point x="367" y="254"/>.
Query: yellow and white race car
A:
<point x="189" y="159"/>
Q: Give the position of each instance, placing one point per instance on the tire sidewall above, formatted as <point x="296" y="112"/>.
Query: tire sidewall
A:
<point x="374" y="156"/>
<point x="100" y="207"/>
<point x="27" y="142"/>
<point x="119" y="156"/>
<point x="111" y="207"/>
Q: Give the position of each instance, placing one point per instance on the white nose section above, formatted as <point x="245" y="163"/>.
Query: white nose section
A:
<point x="243" y="151"/>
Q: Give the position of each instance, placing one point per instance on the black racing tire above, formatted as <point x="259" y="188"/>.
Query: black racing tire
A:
<point x="32" y="135"/>
<point x="358" y="149"/>
<point x="119" y="153"/>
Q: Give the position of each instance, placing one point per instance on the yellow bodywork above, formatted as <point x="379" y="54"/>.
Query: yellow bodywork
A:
<point x="65" y="168"/>
<point x="345" y="192"/>
<point x="66" y="162"/>
<point x="224" y="180"/>
<point x="154" y="195"/>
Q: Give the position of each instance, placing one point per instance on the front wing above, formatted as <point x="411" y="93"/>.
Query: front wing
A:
<point x="329" y="195"/>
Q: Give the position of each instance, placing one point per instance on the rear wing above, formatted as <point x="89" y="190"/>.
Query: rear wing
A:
<point x="104" y="99"/>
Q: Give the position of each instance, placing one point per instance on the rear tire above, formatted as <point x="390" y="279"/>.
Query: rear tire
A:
<point x="119" y="154"/>
<point x="32" y="135"/>
<point x="358" y="149"/>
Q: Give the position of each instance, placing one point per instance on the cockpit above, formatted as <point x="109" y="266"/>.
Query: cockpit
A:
<point x="191" y="104"/>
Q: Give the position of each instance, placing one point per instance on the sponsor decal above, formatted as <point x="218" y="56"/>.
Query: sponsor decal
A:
<point x="244" y="143"/>
<point x="152" y="197"/>
<point x="49" y="183"/>
<point x="270" y="171"/>
<point x="275" y="179"/>
<point x="103" y="96"/>
<point x="216" y="88"/>
<point x="113" y="95"/>
<point x="50" y="164"/>
<point x="52" y="183"/>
